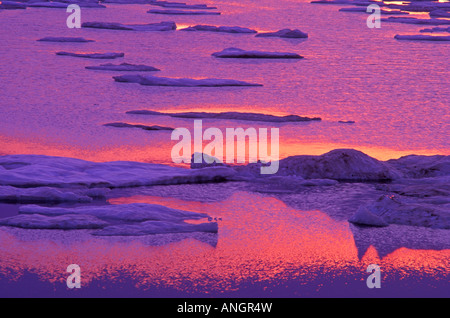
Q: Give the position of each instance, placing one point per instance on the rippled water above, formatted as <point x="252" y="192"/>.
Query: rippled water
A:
<point x="292" y="244"/>
<point x="396" y="91"/>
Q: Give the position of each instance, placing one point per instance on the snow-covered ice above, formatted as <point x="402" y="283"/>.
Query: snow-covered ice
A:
<point x="440" y="14"/>
<point x="180" y="82"/>
<point x="392" y="209"/>
<point x="161" y="26"/>
<point x="64" y="39"/>
<point x="410" y="20"/>
<point x="41" y="171"/>
<point x="156" y="227"/>
<point x="239" y="53"/>
<point x="229" y="115"/>
<point x="135" y="212"/>
<point x="181" y="5"/>
<point x="382" y="11"/>
<point x="11" y="5"/>
<point x="63" y="5"/>
<point x="224" y="29"/>
<point x="285" y="33"/>
<point x="109" y="55"/>
<point x="144" y="127"/>
<point x="123" y="67"/>
<point x="181" y="12"/>
<point x="436" y="29"/>
<point x="41" y="194"/>
<point x="63" y="222"/>
<point x="422" y="37"/>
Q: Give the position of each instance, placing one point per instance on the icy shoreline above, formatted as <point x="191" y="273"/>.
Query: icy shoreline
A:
<point x="417" y="188"/>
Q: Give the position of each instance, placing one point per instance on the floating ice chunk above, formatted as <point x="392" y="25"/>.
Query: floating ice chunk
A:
<point x="144" y="127"/>
<point x="181" y="12"/>
<point x="382" y="11"/>
<point x="124" y="67"/>
<point x="420" y="7"/>
<point x="225" y="29"/>
<point x="64" y="39"/>
<point x="239" y="53"/>
<point x="111" y="55"/>
<point x="436" y="29"/>
<point x="392" y="209"/>
<point x="229" y="115"/>
<point x="422" y="37"/>
<point x="62" y="5"/>
<point x="161" y="26"/>
<point x="285" y="33"/>
<point x="352" y="2"/>
<point x="156" y="227"/>
<point x="440" y="14"/>
<point x="135" y="212"/>
<point x="11" y="5"/>
<point x="39" y="195"/>
<point x="35" y="171"/>
<point x="63" y="222"/>
<point x="411" y="20"/>
<point x="180" y="82"/>
<point x="180" y="5"/>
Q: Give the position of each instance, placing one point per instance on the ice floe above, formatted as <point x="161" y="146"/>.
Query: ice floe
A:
<point x="180" y="5"/>
<point x="239" y="53"/>
<point x="116" y="220"/>
<point x="11" y="5"/>
<point x="422" y="37"/>
<point x="134" y="212"/>
<point x="229" y="115"/>
<point x="436" y="29"/>
<point x="180" y="82"/>
<point x="411" y="20"/>
<point x="123" y="67"/>
<point x="285" y="33"/>
<point x="63" y="5"/>
<point x="63" y="222"/>
<point x="382" y="11"/>
<point x="144" y="127"/>
<point x="40" y="195"/>
<point x="161" y="26"/>
<point x="109" y="55"/>
<point x="440" y="14"/>
<point x="224" y="29"/>
<point x="64" y="39"/>
<point x="156" y="227"/>
<point x="181" y="12"/>
<point x="41" y="171"/>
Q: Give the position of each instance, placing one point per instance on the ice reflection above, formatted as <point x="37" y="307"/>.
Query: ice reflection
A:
<point x="261" y="242"/>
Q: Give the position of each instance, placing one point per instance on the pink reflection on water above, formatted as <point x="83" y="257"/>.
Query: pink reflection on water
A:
<point x="260" y="240"/>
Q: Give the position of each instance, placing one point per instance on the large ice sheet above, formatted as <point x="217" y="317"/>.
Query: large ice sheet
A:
<point x="135" y="212"/>
<point x="36" y="171"/>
